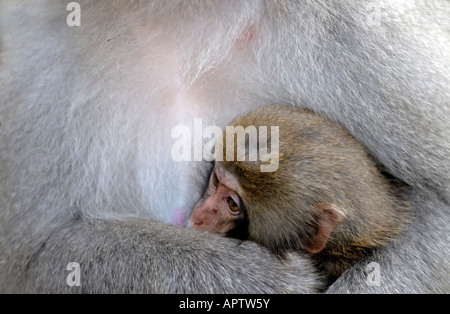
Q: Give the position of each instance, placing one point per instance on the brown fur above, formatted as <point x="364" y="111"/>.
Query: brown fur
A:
<point x="320" y="164"/>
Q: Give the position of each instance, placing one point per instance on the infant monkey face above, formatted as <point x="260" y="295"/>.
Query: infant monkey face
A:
<point x="221" y="208"/>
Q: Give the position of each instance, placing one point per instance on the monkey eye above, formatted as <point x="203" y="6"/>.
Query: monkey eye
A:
<point x="215" y="180"/>
<point x="234" y="207"/>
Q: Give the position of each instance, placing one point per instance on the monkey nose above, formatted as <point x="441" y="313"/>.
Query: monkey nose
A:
<point x="203" y="216"/>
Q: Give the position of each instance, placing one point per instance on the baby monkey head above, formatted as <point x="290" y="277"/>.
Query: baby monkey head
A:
<point x="326" y="193"/>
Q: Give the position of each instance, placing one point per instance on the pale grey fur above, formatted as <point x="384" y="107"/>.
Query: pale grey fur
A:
<point x="140" y="257"/>
<point x="86" y="115"/>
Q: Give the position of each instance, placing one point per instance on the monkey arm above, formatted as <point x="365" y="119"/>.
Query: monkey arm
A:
<point x="142" y="256"/>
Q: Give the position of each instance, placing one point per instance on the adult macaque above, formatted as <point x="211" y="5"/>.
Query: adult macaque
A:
<point x="327" y="196"/>
<point x="86" y="115"/>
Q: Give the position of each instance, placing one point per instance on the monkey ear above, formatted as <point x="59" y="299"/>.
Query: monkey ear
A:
<point x="328" y="221"/>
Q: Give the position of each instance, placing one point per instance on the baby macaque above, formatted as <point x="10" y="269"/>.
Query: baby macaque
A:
<point x="327" y="198"/>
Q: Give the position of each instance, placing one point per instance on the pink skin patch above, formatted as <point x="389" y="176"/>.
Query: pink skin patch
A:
<point x="179" y="217"/>
<point x="246" y="37"/>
